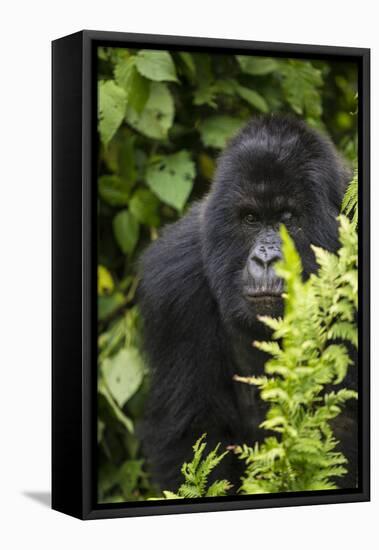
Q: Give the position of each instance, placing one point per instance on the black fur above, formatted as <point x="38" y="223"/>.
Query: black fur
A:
<point x="198" y="326"/>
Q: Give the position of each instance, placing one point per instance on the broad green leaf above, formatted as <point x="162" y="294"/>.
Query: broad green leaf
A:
<point x="139" y="90"/>
<point x="156" y="65"/>
<point x="189" y="63"/>
<point x="110" y="340"/>
<point x="256" y="66"/>
<point x="144" y="206"/>
<point x="301" y="82"/>
<point x="112" y="103"/>
<point x="171" y="178"/>
<point x="158" y="114"/>
<point x="117" y="412"/>
<point x="135" y="85"/>
<point x="114" y="190"/>
<point x="215" y="131"/>
<point x="105" y="284"/>
<point x="123" y="374"/>
<point x="108" y="304"/>
<point x="252" y="97"/>
<point x="126" y="231"/>
<point x="122" y="72"/>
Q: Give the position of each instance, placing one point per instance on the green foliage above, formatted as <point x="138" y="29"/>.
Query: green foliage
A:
<point x="158" y="114"/>
<point x="144" y="206"/>
<point x="136" y="87"/>
<point x="171" y="177"/>
<point x="114" y="190"/>
<point x="105" y="284"/>
<point x="309" y="354"/>
<point x="257" y="66"/>
<point x="301" y="86"/>
<point x="163" y="119"/>
<point x="252" y="97"/>
<point x="122" y="384"/>
<point x="112" y="101"/>
<point x="216" y="131"/>
<point x="156" y="65"/>
<point x="124" y="479"/>
<point x="126" y="230"/>
<point x="123" y="374"/>
<point x="196" y="474"/>
<point x="350" y="201"/>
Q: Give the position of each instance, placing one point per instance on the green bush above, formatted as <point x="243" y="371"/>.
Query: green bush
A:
<point x="163" y="119"/>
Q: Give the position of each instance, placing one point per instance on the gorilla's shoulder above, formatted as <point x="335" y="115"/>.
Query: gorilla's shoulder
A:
<point x="178" y="243"/>
<point x="173" y="259"/>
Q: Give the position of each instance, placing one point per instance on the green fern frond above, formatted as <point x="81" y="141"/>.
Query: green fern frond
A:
<point x="218" y="488"/>
<point x="196" y="474"/>
<point x="350" y="200"/>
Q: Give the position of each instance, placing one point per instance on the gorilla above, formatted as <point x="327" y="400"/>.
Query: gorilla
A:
<point x="208" y="277"/>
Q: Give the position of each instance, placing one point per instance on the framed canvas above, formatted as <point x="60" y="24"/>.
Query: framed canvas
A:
<point x="210" y="275"/>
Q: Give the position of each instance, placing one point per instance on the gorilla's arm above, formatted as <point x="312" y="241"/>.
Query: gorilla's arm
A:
<point x="185" y="346"/>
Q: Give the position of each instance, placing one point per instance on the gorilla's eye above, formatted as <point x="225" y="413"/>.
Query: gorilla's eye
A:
<point x="249" y="218"/>
<point x="286" y="216"/>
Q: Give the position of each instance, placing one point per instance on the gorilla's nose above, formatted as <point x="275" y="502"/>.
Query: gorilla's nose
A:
<point x="263" y="256"/>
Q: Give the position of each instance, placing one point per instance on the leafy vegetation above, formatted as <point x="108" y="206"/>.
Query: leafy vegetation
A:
<point x="306" y="358"/>
<point x="196" y="474"/>
<point x="163" y="119"/>
<point x="350" y="201"/>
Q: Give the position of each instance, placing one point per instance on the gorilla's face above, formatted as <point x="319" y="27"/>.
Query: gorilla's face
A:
<point x="261" y="287"/>
<point x="274" y="172"/>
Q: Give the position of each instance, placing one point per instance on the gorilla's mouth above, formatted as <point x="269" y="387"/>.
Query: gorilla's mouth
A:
<point x="266" y="296"/>
<point x="264" y="292"/>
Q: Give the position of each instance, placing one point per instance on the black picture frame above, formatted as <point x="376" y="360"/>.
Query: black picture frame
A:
<point x="74" y="314"/>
